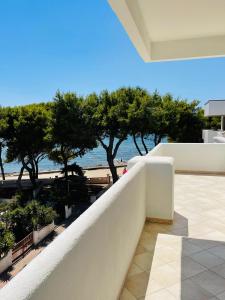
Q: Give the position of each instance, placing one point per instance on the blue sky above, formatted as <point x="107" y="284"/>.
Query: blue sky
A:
<point x="76" y="45"/>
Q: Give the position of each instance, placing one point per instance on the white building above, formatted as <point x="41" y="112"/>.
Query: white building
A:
<point x="159" y="232"/>
<point x="214" y="108"/>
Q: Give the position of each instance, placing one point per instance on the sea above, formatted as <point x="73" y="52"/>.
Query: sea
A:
<point x="93" y="158"/>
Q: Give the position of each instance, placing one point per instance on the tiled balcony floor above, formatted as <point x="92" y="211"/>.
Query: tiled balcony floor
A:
<point x="185" y="260"/>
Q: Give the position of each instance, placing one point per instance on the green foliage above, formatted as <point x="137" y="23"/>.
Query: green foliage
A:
<point x="188" y="124"/>
<point x="74" y="169"/>
<point x="27" y="136"/>
<point x="107" y="114"/>
<point x="6" y="240"/>
<point x="70" y="135"/>
<point x="38" y="215"/>
<point x="23" y="220"/>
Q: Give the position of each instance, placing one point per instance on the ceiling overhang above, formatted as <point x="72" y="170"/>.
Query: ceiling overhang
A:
<point x="176" y="29"/>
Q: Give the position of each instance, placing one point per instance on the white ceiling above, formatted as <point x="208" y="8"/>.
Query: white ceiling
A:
<point x="174" y="29"/>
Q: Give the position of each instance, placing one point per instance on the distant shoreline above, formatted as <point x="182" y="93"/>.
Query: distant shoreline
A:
<point x="58" y="171"/>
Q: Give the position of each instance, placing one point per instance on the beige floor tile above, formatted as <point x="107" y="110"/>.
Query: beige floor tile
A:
<point x="218" y="251"/>
<point x="144" y="261"/>
<point x="167" y="254"/>
<point x="216" y="236"/>
<point x="134" y="269"/>
<point x="202" y="243"/>
<point x="207" y="259"/>
<point x="153" y="286"/>
<point x="137" y="284"/>
<point x="189" y="248"/>
<point x="161" y="295"/>
<point x="221" y="296"/>
<point x="220" y="270"/>
<point x="165" y="276"/>
<point x="174" y="257"/>
<point x="210" y="281"/>
<point x="126" y="295"/>
<point x="188" y="290"/>
<point x="187" y="267"/>
<point x="140" y="249"/>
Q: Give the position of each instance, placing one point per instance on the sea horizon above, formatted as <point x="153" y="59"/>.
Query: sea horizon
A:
<point x="93" y="158"/>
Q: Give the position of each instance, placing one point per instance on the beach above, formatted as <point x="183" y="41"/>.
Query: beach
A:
<point x="102" y="171"/>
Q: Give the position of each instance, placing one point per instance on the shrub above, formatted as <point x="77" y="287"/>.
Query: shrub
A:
<point x="6" y="240"/>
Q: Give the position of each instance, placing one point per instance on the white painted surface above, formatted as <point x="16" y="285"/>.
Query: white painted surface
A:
<point x="159" y="184"/>
<point x="68" y="211"/>
<point x="90" y="259"/>
<point x="6" y="262"/>
<point x="194" y="157"/>
<point x="219" y="139"/>
<point x="160" y="187"/>
<point x="209" y="135"/>
<point x="39" y="235"/>
<point x="176" y="29"/>
<point x="214" y="108"/>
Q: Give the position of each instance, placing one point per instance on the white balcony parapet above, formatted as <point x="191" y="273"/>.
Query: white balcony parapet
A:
<point x="90" y="259"/>
<point x="193" y="157"/>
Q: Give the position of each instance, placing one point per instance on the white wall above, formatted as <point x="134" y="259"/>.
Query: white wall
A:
<point x="159" y="184"/>
<point x="208" y="135"/>
<point x="89" y="260"/>
<point x="6" y="262"/>
<point x="193" y="157"/>
<point x="160" y="188"/>
<point x="39" y="235"/>
<point x="215" y="108"/>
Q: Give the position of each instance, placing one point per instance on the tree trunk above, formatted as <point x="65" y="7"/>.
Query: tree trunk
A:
<point x="143" y="143"/>
<point x="159" y="139"/>
<point x="19" y="179"/>
<point x="136" y="145"/>
<point x="31" y="171"/>
<point x="65" y="163"/>
<point x="1" y="164"/>
<point x="36" y="169"/>
<point x="112" y="167"/>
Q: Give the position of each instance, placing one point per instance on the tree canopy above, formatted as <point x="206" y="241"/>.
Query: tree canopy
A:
<point x="70" y="134"/>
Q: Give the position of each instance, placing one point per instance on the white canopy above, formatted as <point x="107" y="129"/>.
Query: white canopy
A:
<point x="173" y="29"/>
<point x="215" y="108"/>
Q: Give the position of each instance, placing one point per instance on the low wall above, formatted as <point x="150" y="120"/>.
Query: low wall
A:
<point x="90" y="259"/>
<point x="6" y="262"/>
<point x="159" y="186"/>
<point x="193" y="157"/>
<point x="39" y="235"/>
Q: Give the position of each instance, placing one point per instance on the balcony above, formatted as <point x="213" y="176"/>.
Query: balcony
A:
<point x="185" y="260"/>
<point x="154" y="234"/>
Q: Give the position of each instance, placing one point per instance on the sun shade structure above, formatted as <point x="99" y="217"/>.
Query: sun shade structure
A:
<point x="214" y="108"/>
<point x="176" y="29"/>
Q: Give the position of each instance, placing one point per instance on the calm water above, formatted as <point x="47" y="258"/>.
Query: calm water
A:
<point x="93" y="158"/>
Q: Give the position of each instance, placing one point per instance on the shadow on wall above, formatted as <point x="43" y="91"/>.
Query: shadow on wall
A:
<point x="168" y="261"/>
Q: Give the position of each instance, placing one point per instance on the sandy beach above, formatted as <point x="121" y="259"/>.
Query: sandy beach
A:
<point x="89" y="172"/>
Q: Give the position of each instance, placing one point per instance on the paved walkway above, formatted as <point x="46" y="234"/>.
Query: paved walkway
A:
<point x="186" y="260"/>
